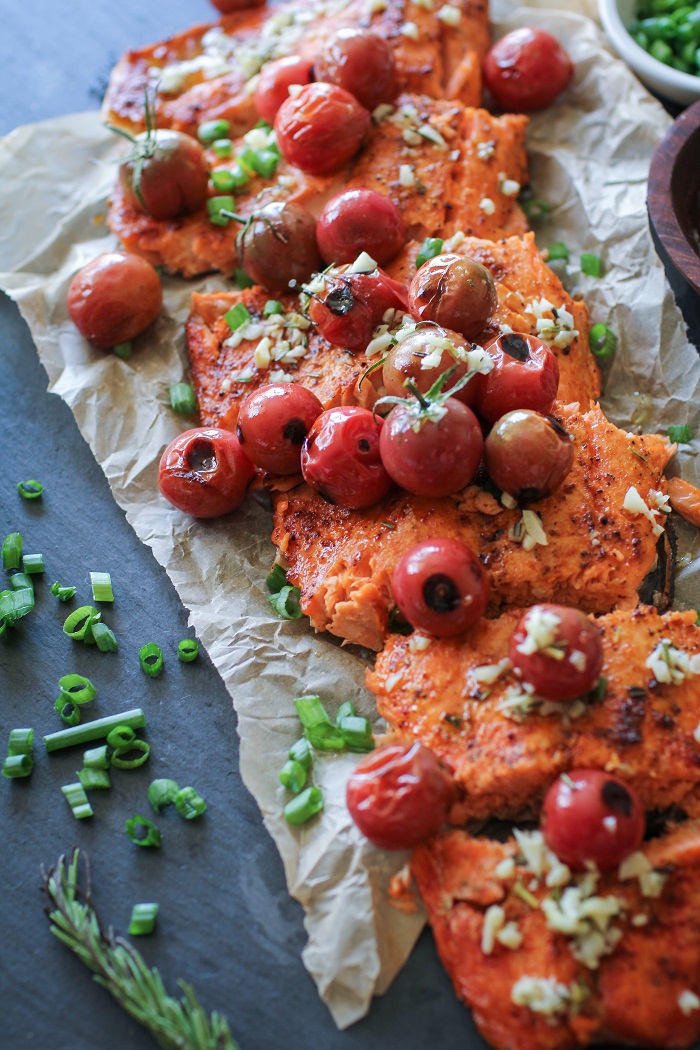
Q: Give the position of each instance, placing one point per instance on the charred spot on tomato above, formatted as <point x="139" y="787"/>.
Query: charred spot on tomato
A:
<point x="340" y="300"/>
<point x="440" y="593"/>
<point x="294" y="431"/>
<point x="201" y="456"/>
<point x="515" y="346"/>
<point x="617" y="798"/>
<point x="239" y="435"/>
<point x="364" y="446"/>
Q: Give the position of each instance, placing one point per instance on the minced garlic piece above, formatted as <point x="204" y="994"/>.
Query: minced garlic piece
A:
<point x="505" y="869"/>
<point x="508" y="187"/>
<point x="671" y="666"/>
<point x="634" y="503"/>
<point x="487" y="205"/>
<point x="534" y="533"/>
<point x="540" y="630"/>
<point x="542" y="995"/>
<point x="510" y="936"/>
<point x="406" y="177"/>
<point x="487" y="674"/>
<point x="532" y="846"/>
<point x="410" y="29"/>
<point x="418" y="643"/>
<point x="450" y="15"/>
<point x="688" y="1002"/>
<point x="494" y="920"/>
<point x="364" y="263"/>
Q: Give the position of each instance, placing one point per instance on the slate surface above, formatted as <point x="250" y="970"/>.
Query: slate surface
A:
<point x="226" y="922"/>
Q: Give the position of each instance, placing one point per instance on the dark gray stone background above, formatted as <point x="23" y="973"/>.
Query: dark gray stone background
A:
<point x="226" y="922"/>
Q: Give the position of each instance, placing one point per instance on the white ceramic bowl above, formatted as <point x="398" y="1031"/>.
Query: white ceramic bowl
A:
<point x="615" y="15"/>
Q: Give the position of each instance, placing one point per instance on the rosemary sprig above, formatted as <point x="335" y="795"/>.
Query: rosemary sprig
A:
<point x="175" y="1024"/>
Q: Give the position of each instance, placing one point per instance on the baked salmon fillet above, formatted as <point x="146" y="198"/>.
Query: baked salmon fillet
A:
<point x="548" y="960"/>
<point x="579" y="546"/>
<point x="208" y="71"/>
<point x="505" y="746"/>
<point x="426" y="177"/>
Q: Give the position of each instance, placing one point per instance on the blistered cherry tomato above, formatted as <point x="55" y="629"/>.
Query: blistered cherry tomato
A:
<point x="525" y="374"/>
<point x="432" y="458"/>
<point x="114" y="298"/>
<point x="454" y="291"/>
<point x="277" y="247"/>
<point x="349" y="306"/>
<point x="399" y="795"/>
<point x="274" y="82"/>
<point x="423" y="357"/>
<point x="205" y="472"/>
<point x="227" y="7"/>
<point x="340" y="458"/>
<point x="526" y="69"/>
<point x="528" y="455"/>
<point x="590" y="816"/>
<point x="557" y="650"/>
<point x="441" y="587"/>
<point x="360" y="220"/>
<point x="166" y="174"/>
<point x="362" y="63"/>
<point x="320" y="129"/>
<point x="273" y="423"/>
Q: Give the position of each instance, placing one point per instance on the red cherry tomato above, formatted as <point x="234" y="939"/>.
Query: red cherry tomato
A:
<point x="362" y="63"/>
<point x="167" y="175"/>
<point x="227" y="7"/>
<point x="360" y="220"/>
<point x="455" y="292"/>
<point x="525" y="375"/>
<point x="351" y="305"/>
<point x="340" y="458"/>
<point x="432" y="458"/>
<point x="399" y="795"/>
<point x="274" y="82"/>
<point x="273" y="423"/>
<point x="320" y="129"/>
<point x="114" y="298"/>
<point x="440" y="586"/>
<point x="558" y="650"/>
<point x="525" y="70"/>
<point x="528" y="455"/>
<point x="589" y="815"/>
<point x="204" y="472"/>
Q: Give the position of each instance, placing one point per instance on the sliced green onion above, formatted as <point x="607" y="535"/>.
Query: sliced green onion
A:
<point x="357" y="733"/>
<point x="293" y="776"/>
<point x="21" y="580"/>
<point x="182" y="399"/>
<point x="241" y="279"/>
<point x="64" y="594"/>
<point x="96" y="730"/>
<point x="430" y="247"/>
<point x="94" y="779"/>
<point x="151" y="659"/>
<point x="217" y="205"/>
<point x="123" y="350"/>
<point x="211" y="130"/>
<point x="305" y="806"/>
<point x="12" y="550"/>
<point x="346" y="710"/>
<point x="236" y="317"/>
<point x="223" y="147"/>
<point x="143" y="832"/>
<point x="21" y="742"/>
<point x="188" y="650"/>
<point x="286" y="603"/>
<point x="77" y="800"/>
<point x="301" y="752"/>
<point x="162" y="793"/>
<point x="121" y="736"/>
<point x="3" y="627"/>
<point x="682" y="435"/>
<point x="105" y="638"/>
<point x="602" y="341"/>
<point x="77" y="688"/>
<point x="557" y="250"/>
<point x="16" y="766"/>
<point x="227" y="179"/>
<point x="189" y="803"/>
<point x="69" y="712"/>
<point x="143" y="920"/>
<point x="264" y="162"/>
<point x="33" y="563"/>
<point x="138" y="748"/>
<point x="96" y="758"/>
<point x="277" y="578"/>
<point x="101" y="583"/>
<point x="16" y="604"/>
<point x="79" y="624"/>
<point x="318" y="728"/>
<point x="592" y="265"/>
<point x="30" y="489"/>
<point x="536" y="208"/>
<point x="272" y="306"/>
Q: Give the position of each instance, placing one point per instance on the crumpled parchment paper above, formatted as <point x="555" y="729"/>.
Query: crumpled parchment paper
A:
<point x="590" y="156"/>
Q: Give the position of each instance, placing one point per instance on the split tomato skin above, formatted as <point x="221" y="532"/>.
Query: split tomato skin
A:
<point x="320" y="129"/>
<point x="360" y="220"/>
<point x="399" y="795"/>
<point x="274" y="82"/>
<point x="114" y="298"/>
<point x="441" y="587"/>
<point x="205" y="472"/>
<point x="526" y="69"/>
<point x="351" y="306"/>
<point x="525" y="375"/>
<point x="362" y="63"/>
<point x="340" y="458"/>
<point x="170" y="179"/>
<point x="590" y="816"/>
<point x="572" y="667"/>
<point x="273" y="423"/>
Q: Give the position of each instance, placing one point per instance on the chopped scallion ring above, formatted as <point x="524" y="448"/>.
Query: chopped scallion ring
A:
<point x="143" y="920"/>
<point x="430" y="247"/>
<point x="32" y="563"/>
<point x="16" y="766"/>
<point x="143" y="832"/>
<point x="69" y="712"/>
<point x="557" y="250"/>
<point x="218" y="205"/>
<point x="223" y="147"/>
<point x="16" y="604"/>
<point x="101" y="583"/>
<point x="277" y="578"/>
<point x="21" y="742"/>
<point x="96" y="758"/>
<point x="121" y="736"/>
<point x="12" y="550"/>
<point x="105" y="638"/>
<point x="305" y="806"/>
<point x="189" y="803"/>
<point x="681" y="435"/>
<point x="293" y="776"/>
<point x="182" y="399"/>
<point x="237" y="316"/>
<point x="96" y="730"/>
<point x="21" y="580"/>
<point x="30" y="489"/>
<point x="536" y="208"/>
<point x="138" y="748"/>
<point x="123" y="350"/>
<point x="211" y="130"/>
<point x="591" y="265"/>
<point x="357" y="733"/>
<point x="151" y="659"/>
<point x="79" y="624"/>
<point x="602" y="341"/>
<point x="286" y="603"/>
<point x="77" y="800"/>
<point x="94" y="779"/>
<point x="241" y="279"/>
<point x="64" y="594"/>
<point x="188" y="650"/>
<point x="77" y="689"/>
<point x="272" y="306"/>
<point x="346" y="710"/>
<point x="301" y="752"/>
<point x="318" y="728"/>
<point x="162" y="793"/>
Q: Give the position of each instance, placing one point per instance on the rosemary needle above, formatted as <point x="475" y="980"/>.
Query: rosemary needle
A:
<point x="175" y="1024"/>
